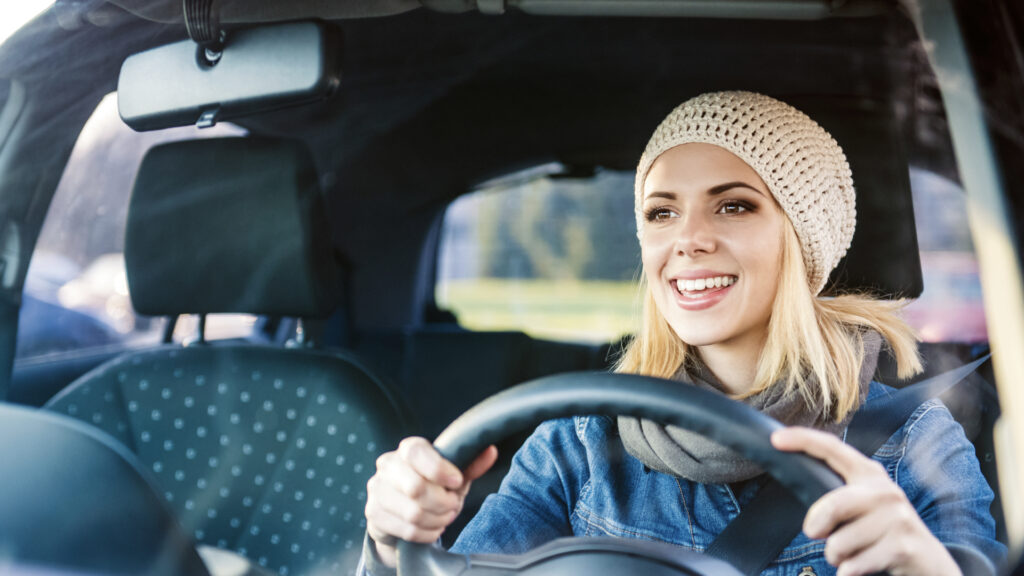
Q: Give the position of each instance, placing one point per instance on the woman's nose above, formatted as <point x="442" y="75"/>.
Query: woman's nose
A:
<point x="695" y="236"/>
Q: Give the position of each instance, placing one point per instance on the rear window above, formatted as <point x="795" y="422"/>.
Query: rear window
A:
<point x="554" y="257"/>
<point x="558" y="258"/>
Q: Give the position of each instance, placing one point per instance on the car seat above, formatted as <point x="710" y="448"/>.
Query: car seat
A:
<point x="259" y="449"/>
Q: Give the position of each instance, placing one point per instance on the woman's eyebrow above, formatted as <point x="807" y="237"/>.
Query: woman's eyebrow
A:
<point x="713" y="191"/>
<point x="668" y="195"/>
<point x="730" y="185"/>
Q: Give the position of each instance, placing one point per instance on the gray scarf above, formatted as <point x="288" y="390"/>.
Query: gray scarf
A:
<point x="691" y="456"/>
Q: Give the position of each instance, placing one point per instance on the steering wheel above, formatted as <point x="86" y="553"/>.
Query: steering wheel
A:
<point x="725" y="421"/>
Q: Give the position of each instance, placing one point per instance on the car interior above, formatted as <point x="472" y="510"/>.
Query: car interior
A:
<point x="323" y="219"/>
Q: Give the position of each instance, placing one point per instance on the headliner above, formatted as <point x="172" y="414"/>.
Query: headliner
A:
<point x="431" y="104"/>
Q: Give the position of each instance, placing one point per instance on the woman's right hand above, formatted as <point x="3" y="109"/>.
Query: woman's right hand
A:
<point x="416" y="494"/>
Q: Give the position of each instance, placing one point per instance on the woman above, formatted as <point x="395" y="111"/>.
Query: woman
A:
<point x="744" y="206"/>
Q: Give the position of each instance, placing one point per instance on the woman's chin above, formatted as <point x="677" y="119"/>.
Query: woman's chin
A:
<point x="693" y="336"/>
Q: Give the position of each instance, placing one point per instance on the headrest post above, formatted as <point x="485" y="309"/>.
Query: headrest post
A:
<point x="300" y="333"/>
<point x="201" y="329"/>
<point x="172" y="323"/>
<point x="308" y="333"/>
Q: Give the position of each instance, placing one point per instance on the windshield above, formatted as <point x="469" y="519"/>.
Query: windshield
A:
<point x="457" y="214"/>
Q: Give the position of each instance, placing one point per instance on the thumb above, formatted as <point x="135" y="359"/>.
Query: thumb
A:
<point x="480" y="465"/>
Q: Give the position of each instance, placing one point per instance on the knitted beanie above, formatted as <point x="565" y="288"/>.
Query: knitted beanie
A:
<point x="802" y="165"/>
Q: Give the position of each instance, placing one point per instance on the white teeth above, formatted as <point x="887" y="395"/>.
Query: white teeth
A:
<point x="704" y="283"/>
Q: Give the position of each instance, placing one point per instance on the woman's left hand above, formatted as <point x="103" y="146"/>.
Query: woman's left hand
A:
<point x="869" y="523"/>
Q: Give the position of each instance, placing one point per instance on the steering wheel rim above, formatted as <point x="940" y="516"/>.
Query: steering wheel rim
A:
<point x="723" y="420"/>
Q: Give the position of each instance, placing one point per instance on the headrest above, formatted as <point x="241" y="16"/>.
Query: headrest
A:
<point x="884" y="257"/>
<point x="230" y="225"/>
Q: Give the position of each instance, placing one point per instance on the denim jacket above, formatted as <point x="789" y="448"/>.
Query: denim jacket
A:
<point x="572" y="477"/>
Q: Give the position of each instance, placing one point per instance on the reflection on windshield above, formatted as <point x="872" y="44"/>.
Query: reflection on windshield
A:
<point x="950" y="308"/>
<point x="14" y="15"/>
<point x="77" y="275"/>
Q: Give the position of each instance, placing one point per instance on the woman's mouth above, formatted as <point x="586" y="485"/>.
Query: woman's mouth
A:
<point x="703" y="286"/>
<point x="700" y="293"/>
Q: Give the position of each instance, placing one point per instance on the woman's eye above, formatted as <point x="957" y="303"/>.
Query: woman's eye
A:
<point x="734" y="208"/>
<point x="659" y="214"/>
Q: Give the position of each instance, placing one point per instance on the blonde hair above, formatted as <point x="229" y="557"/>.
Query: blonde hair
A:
<point x="814" y="345"/>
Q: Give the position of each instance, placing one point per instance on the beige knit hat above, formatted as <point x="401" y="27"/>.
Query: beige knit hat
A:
<point x="802" y="165"/>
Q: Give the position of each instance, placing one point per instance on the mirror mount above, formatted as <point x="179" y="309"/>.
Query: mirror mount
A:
<point x="202" y="22"/>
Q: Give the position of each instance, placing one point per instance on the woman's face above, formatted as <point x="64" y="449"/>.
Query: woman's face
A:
<point x="711" y="245"/>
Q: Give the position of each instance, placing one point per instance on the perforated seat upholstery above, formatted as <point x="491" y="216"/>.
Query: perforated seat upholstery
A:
<point x="262" y="450"/>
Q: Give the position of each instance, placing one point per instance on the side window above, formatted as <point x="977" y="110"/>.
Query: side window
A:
<point x="950" y="308"/>
<point x="554" y="257"/>
<point x="76" y="292"/>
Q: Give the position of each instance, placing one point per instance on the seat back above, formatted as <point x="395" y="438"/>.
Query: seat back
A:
<point x="73" y="500"/>
<point x="262" y="450"/>
<point x="259" y="450"/>
<point x="472" y="366"/>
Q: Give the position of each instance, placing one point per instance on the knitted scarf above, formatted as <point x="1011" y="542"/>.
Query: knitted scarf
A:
<point x="682" y="453"/>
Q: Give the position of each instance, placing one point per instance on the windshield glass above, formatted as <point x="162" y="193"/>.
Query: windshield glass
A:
<point x="15" y="15"/>
<point x="455" y="212"/>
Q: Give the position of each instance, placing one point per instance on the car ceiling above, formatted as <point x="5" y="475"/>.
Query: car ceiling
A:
<point x="258" y="11"/>
<point x="431" y="104"/>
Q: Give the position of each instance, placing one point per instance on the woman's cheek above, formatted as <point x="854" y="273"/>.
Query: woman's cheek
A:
<point x="647" y="255"/>
<point x="655" y="248"/>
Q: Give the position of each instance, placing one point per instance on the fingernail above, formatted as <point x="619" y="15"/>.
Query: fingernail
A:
<point x="812" y="523"/>
<point x="777" y="437"/>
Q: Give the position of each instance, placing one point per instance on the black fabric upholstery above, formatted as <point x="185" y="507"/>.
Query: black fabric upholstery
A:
<point x="469" y="367"/>
<point x="259" y="450"/>
<point x="77" y="502"/>
<point x="230" y="225"/>
<point x="869" y="134"/>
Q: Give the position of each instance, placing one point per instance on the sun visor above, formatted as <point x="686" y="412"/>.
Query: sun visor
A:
<point x="257" y="70"/>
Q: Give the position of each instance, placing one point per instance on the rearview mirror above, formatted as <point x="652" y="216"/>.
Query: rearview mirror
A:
<point x="258" y="70"/>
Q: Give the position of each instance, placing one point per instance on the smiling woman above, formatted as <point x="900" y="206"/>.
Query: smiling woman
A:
<point x="430" y="106"/>
<point x="742" y="184"/>
<point x="744" y="206"/>
<point x="703" y="221"/>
